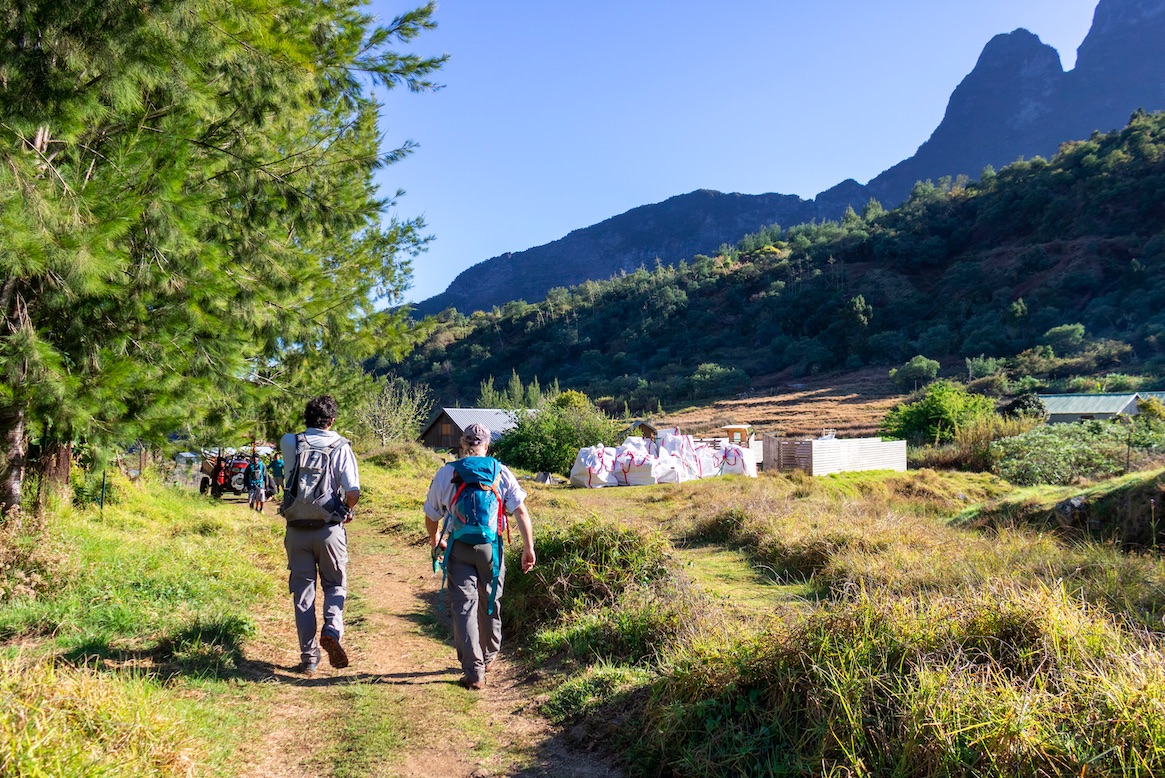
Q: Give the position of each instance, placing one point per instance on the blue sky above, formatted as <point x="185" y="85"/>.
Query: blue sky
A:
<point x="557" y="115"/>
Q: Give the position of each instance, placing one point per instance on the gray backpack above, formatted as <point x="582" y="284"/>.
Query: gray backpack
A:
<point x="311" y="496"/>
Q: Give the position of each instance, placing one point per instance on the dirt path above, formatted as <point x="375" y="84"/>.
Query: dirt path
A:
<point x="398" y="646"/>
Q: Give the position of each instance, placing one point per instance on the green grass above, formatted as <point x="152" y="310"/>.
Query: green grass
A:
<point x="880" y="636"/>
<point x="369" y="733"/>
<point x="139" y="622"/>
<point x="148" y="573"/>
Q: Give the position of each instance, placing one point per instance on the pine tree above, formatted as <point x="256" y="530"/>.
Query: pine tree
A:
<point x="190" y="224"/>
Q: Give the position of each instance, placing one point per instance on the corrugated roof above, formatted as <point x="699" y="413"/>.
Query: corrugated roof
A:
<point x="1087" y="403"/>
<point x="495" y="420"/>
<point x="1159" y="395"/>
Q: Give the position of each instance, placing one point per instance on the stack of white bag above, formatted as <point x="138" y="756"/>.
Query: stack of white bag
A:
<point x="675" y="458"/>
<point x="594" y="468"/>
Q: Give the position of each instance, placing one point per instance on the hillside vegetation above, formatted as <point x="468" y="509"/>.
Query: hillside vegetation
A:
<point x="962" y="269"/>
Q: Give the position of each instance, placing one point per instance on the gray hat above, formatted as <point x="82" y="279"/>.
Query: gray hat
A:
<point x="475" y="434"/>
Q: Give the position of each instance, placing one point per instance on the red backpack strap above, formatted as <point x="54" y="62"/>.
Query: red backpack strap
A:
<point x="453" y="502"/>
<point x="503" y="522"/>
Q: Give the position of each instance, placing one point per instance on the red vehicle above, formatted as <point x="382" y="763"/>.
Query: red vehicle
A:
<point x="228" y="477"/>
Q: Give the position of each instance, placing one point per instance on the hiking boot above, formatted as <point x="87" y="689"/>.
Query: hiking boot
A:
<point x="330" y="642"/>
<point x="308" y="666"/>
<point x="476" y="686"/>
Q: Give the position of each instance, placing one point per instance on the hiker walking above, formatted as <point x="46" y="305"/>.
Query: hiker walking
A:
<point x="473" y="495"/>
<point x="276" y="471"/>
<point x="320" y="489"/>
<point x="254" y="478"/>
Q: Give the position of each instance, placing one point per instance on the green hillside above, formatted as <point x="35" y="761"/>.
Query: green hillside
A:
<point x="962" y="269"/>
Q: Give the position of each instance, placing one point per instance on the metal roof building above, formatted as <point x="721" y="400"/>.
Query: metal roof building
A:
<point x="1064" y="408"/>
<point x="444" y="431"/>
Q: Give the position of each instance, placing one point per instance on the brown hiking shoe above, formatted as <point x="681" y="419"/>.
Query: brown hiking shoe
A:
<point x="476" y="686"/>
<point x="337" y="657"/>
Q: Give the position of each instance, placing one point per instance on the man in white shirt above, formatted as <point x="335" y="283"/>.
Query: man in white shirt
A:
<point x="320" y="546"/>
<point x="477" y="633"/>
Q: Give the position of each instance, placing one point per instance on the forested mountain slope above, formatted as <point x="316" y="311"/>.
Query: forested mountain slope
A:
<point x="960" y="269"/>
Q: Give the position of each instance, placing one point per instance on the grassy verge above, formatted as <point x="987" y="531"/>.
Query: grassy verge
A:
<point x="122" y="648"/>
<point x="922" y="646"/>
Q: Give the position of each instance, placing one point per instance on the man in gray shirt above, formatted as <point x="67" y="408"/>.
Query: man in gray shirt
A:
<point x="322" y="546"/>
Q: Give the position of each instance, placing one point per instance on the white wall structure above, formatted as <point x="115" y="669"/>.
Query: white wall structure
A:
<point x="825" y="456"/>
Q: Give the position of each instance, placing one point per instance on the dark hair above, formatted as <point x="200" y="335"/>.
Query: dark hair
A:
<point x="321" y="411"/>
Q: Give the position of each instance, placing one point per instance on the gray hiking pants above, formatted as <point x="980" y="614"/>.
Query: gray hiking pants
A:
<point x="477" y="636"/>
<point x="308" y="550"/>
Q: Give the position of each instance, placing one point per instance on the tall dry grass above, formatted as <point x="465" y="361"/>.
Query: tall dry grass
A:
<point x="971" y="448"/>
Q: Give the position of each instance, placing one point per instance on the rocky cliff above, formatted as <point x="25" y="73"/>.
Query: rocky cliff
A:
<point x="1019" y="102"/>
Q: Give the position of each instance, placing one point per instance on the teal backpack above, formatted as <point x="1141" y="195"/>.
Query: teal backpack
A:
<point x="477" y="513"/>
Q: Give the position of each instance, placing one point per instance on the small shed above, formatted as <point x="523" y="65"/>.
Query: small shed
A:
<point x="641" y="428"/>
<point x="834" y="455"/>
<point x="444" y="431"/>
<point x="1068" y="408"/>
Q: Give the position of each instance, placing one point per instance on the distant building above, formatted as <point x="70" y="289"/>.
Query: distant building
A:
<point x="444" y="431"/>
<point x="1068" y="408"/>
<point x="641" y="428"/>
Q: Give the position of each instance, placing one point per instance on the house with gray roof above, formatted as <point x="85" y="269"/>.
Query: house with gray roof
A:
<point x="444" y="431"/>
<point x="1067" y="408"/>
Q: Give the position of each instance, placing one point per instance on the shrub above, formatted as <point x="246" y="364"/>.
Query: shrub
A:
<point x="1027" y="404"/>
<point x="549" y="440"/>
<point x="944" y="408"/>
<point x="394" y="409"/>
<point x="917" y="370"/>
<point x="971" y="447"/>
<point x="1151" y="408"/>
<point x="1065" y="339"/>
<point x="982" y="366"/>
<point x="1065" y="453"/>
<point x="586" y="565"/>
<point x="711" y="379"/>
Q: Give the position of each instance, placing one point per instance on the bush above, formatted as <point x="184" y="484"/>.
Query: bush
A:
<point x="1027" y="404"/>
<point x="916" y="371"/>
<point x="1065" y="340"/>
<point x="944" y="409"/>
<point x="549" y="440"/>
<point x="589" y="564"/>
<point x="1065" y="453"/>
<point x="982" y="366"/>
<point x="711" y="379"/>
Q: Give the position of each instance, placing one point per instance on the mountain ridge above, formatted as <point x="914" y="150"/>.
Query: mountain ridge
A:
<point x="1017" y="102"/>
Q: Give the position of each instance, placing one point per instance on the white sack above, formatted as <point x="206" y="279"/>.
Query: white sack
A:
<point x="639" y="445"/>
<point x="635" y="469"/>
<point x="707" y="461"/>
<point x="594" y="468"/>
<point x="671" y="469"/>
<point x="738" y="461"/>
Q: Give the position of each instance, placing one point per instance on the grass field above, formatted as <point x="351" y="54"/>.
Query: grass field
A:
<point x="919" y="624"/>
